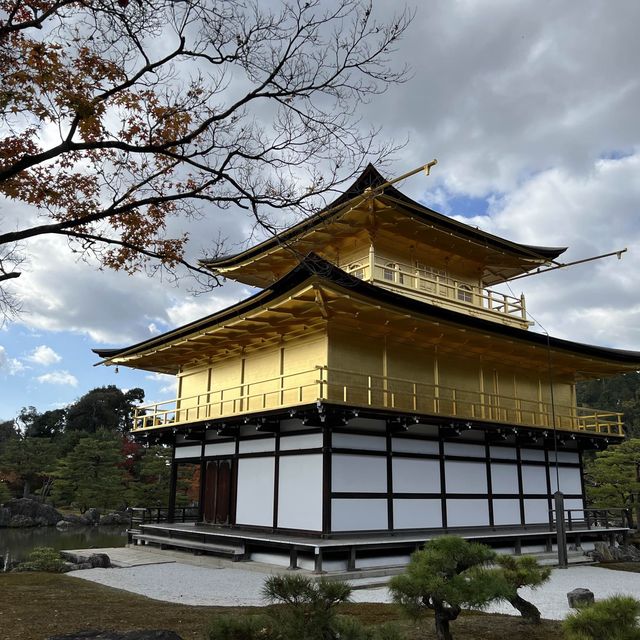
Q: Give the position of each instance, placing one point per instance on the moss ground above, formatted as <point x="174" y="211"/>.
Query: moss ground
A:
<point x="34" y="606"/>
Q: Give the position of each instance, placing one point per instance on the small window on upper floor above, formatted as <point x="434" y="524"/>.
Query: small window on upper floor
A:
<point x="430" y="277"/>
<point x="392" y="273"/>
<point x="356" y="270"/>
<point x="465" y="293"/>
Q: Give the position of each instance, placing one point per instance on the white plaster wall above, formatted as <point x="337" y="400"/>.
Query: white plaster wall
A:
<point x="355" y="441"/>
<point x="569" y="480"/>
<point x="358" y="473"/>
<point x="193" y="451"/>
<point x="534" y="479"/>
<point x="220" y="449"/>
<point x="301" y="441"/>
<point x="467" y="513"/>
<point x="258" y="445"/>
<point x="358" y="515"/>
<point x="565" y="456"/>
<point x="411" y="445"/>
<point x="506" y="512"/>
<point x="463" y="449"/>
<point x="465" y="477"/>
<point x="300" y="492"/>
<point x="255" y="491"/>
<point x="575" y="503"/>
<point x="503" y="453"/>
<point x="504" y="478"/>
<point x="417" y="514"/>
<point x="413" y="475"/>
<point x="536" y="511"/>
<point x="532" y="454"/>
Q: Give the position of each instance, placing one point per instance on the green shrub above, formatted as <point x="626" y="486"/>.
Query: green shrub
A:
<point x="42" y="559"/>
<point x="615" y="618"/>
<point x="308" y="607"/>
<point x="5" y="494"/>
<point x="229" y="627"/>
<point x="303" y="610"/>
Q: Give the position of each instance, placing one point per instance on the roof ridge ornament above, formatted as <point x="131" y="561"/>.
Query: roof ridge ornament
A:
<point x="381" y="187"/>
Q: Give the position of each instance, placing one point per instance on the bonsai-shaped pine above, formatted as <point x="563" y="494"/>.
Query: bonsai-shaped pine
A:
<point x="306" y="610"/>
<point x="615" y="618"/>
<point x="448" y="574"/>
<point x="309" y="607"/>
<point x="522" y="572"/>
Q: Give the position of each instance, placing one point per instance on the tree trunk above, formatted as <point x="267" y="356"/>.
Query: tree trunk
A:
<point x="442" y="627"/>
<point x="527" y="610"/>
<point x="444" y="615"/>
<point x="26" y="489"/>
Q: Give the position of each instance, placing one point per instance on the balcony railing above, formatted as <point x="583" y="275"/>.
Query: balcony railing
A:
<point x="419" y="282"/>
<point x="366" y="391"/>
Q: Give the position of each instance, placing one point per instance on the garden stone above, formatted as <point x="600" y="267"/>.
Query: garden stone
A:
<point x="20" y="521"/>
<point x="5" y="517"/>
<point x="74" y="520"/>
<point x="74" y="558"/>
<point x="92" y="516"/>
<point x="40" y="514"/>
<point x="99" y="561"/>
<point x="114" y="518"/>
<point x="580" y="598"/>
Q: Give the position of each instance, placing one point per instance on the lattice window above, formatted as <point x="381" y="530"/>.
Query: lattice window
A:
<point x="392" y="273"/>
<point x="430" y="277"/>
<point x="465" y="293"/>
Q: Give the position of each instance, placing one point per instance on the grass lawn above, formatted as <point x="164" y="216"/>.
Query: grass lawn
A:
<point x="34" y="606"/>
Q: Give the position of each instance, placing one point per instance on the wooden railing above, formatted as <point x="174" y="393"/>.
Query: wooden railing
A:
<point x="424" y="398"/>
<point x="416" y="282"/>
<point x="382" y="392"/>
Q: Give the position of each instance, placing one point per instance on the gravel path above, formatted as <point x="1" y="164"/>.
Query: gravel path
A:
<point x="193" y="585"/>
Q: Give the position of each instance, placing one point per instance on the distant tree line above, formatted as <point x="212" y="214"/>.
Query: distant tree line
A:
<point x="82" y="455"/>
<point x="612" y="476"/>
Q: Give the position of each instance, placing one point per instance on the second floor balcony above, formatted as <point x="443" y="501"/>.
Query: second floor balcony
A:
<point x="438" y="287"/>
<point x="357" y="390"/>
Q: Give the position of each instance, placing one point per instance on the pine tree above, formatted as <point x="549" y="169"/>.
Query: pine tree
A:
<point x="447" y="575"/>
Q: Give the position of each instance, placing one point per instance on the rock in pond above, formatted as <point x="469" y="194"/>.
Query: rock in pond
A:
<point x="25" y="512"/>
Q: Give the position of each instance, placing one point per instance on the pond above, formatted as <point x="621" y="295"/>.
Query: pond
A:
<point x="19" y="542"/>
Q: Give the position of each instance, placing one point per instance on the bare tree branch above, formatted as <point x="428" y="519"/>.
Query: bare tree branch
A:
<point x="249" y="108"/>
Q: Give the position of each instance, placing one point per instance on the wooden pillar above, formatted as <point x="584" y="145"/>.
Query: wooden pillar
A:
<point x="326" y="480"/>
<point x="173" y="485"/>
<point x="563" y="561"/>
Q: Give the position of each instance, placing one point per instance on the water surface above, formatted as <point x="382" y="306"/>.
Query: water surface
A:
<point x="19" y="542"/>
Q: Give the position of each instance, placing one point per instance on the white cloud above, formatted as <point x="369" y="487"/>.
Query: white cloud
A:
<point x="43" y="355"/>
<point x="10" y="366"/>
<point x="58" y="377"/>
<point x="592" y="214"/>
<point x="520" y="106"/>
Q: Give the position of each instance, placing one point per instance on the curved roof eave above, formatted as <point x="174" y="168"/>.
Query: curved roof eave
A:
<point x="315" y="266"/>
<point x="371" y="178"/>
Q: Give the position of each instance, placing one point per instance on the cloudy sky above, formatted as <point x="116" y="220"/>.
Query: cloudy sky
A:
<point x="533" y="111"/>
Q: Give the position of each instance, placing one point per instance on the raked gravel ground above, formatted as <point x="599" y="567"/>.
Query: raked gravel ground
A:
<point x="193" y="585"/>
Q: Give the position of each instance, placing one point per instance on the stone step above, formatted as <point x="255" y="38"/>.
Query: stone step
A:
<point x="227" y="551"/>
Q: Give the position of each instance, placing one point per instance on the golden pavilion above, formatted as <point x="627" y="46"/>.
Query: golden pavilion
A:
<point x="376" y="387"/>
